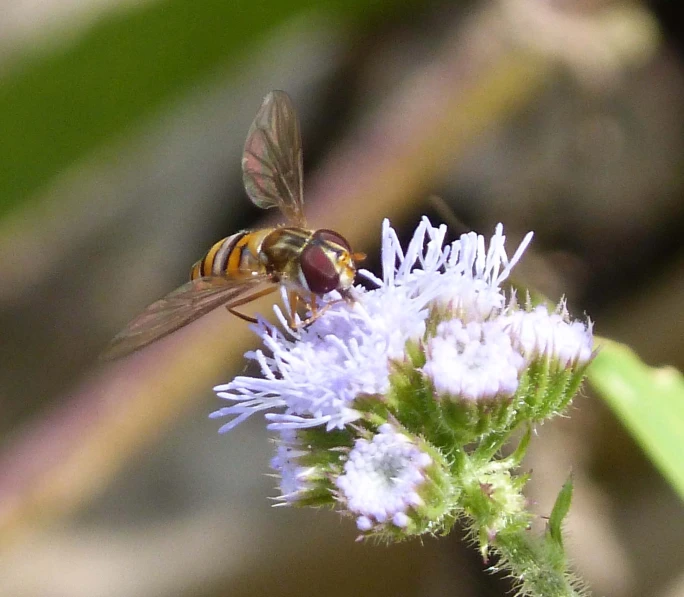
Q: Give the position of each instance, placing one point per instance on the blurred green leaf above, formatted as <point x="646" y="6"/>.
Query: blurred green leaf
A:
<point x="57" y="107"/>
<point x="650" y="403"/>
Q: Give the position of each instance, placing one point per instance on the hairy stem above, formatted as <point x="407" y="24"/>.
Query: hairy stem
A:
<point x="536" y="566"/>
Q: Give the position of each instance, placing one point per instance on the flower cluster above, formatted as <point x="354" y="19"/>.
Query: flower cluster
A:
<point x="378" y="404"/>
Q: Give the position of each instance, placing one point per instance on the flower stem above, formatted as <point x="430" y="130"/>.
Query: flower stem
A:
<point x="500" y="522"/>
<point x="538" y="569"/>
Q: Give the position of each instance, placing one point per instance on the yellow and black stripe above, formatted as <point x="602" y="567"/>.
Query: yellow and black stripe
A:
<point x="223" y="258"/>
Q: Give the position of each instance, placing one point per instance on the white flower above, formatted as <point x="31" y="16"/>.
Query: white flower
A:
<point x="473" y="360"/>
<point x="539" y="333"/>
<point x="316" y="373"/>
<point x="382" y="477"/>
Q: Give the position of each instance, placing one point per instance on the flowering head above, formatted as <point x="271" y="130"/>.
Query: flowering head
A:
<point x="378" y="403"/>
<point x="391" y="482"/>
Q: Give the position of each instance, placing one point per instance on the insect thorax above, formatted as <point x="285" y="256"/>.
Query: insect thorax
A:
<point x="281" y="250"/>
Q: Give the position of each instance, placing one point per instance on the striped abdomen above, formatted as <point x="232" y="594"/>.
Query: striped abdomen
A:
<point x="235" y="256"/>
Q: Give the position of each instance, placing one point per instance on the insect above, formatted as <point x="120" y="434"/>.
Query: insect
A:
<point x="253" y="263"/>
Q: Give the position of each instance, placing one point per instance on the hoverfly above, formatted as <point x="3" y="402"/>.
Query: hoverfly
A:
<point x="253" y="263"/>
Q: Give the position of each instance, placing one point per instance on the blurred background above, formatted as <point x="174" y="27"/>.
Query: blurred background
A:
<point x="121" y="130"/>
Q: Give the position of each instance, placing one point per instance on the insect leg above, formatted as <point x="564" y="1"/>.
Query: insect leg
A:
<point x="242" y="316"/>
<point x="316" y="312"/>
<point x="293" y="299"/>
<point x="249" y="299"/>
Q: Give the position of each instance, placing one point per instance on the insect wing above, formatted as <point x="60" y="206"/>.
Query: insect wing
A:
<point x="272" y="169"/>
<point x="181" y="307"/>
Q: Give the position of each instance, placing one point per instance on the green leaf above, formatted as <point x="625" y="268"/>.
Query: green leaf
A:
<point x="559" y="512"/>
<point x="650" y="403"/>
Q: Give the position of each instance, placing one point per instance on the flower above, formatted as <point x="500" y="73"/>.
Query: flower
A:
<point x="295" y="479"/>
<point x="382" y="479"/>
<point x="393" y="408"/>
<point x="474" y="274"/>
<point x="316" y="373"/>
<point x="539" y="333"/>
<point x="473" y="360"/>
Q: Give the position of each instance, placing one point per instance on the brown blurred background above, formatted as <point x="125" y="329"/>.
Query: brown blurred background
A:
<point x="121" y="130"/>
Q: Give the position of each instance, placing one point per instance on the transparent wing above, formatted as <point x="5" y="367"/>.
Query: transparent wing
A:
<point x="183" y="306"/>
<point x="272" y="158"/>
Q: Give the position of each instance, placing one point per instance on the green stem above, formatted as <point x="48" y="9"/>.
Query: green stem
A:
<point x="500" y="522"/>
<point x="538" y="569"/>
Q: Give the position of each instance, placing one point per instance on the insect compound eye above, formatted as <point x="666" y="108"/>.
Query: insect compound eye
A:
<point x="319" y="271"/>
<point x="333" y="237"/>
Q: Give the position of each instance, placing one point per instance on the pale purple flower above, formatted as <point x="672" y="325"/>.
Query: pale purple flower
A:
<point x="295" y="479"/>
<point x="540" y="334"/>
<point x="382" y="478"/>
<point x="473" y="360"/>
<point x="316" y="373"/>
<point x="475" y="272"/>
